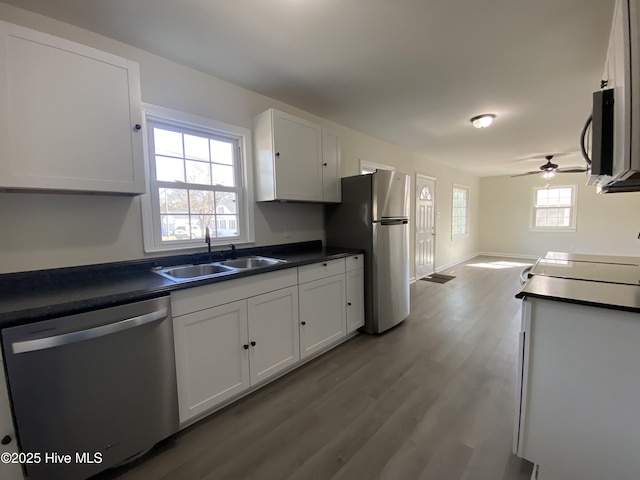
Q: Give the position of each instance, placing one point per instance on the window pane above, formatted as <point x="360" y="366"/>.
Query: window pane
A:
<point x="196" y="147"/>
<point x="221" y="152"/>
<point x="226" y="203"/>
<point x="169" y="169"/>
<point x="223" y="175"/>
<point x="227" y="225"/>
<point x="198" y="172"/>
<point x="167" y="142"/>
<point x="173" y="200"/>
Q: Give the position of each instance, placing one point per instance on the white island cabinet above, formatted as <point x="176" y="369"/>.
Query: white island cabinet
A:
<point x="70" y="116"/>
<point x="230" y="336"/>
<point x="578" y="397"/>
<point x="8" y="441"/>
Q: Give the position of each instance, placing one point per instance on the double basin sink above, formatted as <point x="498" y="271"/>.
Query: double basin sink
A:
<point x="206" y="270"/>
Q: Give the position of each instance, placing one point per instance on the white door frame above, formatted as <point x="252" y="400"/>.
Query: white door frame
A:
<point x="435" y="216"/>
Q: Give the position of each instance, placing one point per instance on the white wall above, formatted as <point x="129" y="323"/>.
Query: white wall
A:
<point x="49" y="230"/>
<point x="606" y="224"/>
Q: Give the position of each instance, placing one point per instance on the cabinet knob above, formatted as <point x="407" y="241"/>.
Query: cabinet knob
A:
<point x="246" y="347"/>
<point x="137" y="127"/>
<point x="303" y="323"/>
<point x="355" y="258"/>
<point x="324" y="264"/>
<point x="349" y="303"/>
<point x="253" y="344"/>
<point x="277" y="154"/>
<point x="6" y="440"/>
<point x="325" y="164"/>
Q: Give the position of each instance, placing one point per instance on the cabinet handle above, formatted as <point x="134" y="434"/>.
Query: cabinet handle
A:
<point x="277" y="154"/>
<point x="137" y="127"/>
<point x="303" y="323"/>
<point x="6" y="440"/>
<point x="246" y="347"/>
<point x="253" y="344"/>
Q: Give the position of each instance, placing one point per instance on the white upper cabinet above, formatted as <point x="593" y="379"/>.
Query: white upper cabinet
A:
<point x="290" y="159"/>
<point x="70" y="116"/>
<point x="331" y="186"/>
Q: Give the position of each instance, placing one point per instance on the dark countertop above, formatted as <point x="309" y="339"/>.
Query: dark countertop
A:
<point x="584" y="292"/>
<point x="30" y="296"/>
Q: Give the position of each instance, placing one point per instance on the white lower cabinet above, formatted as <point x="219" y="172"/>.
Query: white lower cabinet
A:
<point x="322" y="313"/>
<point x="234" y="335"/>
<point x="230" y="342"/>
<point x="8" y="441"/>
<point x="273" y="333"/>
<point x="212" y="364"/>
<point x="355" y="299"/>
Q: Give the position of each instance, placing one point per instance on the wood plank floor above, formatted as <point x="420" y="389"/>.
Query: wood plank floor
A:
<point x="432" y="399"/>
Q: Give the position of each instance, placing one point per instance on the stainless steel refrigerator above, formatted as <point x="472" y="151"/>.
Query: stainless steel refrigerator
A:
<point x="373" y="217"/>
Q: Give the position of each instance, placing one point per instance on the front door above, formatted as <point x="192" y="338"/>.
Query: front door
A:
<point x="425" y="226"/>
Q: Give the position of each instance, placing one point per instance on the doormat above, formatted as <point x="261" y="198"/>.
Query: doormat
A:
<point x="438" y="278"/>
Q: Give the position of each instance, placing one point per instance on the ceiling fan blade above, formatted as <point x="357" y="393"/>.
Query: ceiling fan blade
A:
<point x="571" y="170"/>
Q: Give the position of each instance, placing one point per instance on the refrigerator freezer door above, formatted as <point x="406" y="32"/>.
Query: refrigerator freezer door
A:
<point x="391" y="275"/>
<point x="390" y="191"/>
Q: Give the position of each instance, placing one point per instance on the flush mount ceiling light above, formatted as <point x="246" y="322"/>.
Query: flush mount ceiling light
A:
<point x="483" y="121"/>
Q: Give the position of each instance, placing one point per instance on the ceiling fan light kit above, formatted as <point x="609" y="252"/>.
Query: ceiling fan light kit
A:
<point x="483" y="121"/>
<point x="549" y="170"/>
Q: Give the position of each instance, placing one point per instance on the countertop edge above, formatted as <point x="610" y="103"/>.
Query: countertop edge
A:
<point x="583" y="292"/>
<point x="147" y="284"/>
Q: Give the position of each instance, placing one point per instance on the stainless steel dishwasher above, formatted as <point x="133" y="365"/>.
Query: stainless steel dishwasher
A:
<point x="99" y="387"/>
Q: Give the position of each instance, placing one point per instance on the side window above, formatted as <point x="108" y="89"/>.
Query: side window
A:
<point x="460" y="211"/>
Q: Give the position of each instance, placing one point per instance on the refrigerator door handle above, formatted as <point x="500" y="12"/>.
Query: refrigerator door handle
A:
<point x="392" y="221"/>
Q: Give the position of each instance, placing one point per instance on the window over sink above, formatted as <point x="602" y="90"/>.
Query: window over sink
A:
<point x="199" y="177"/>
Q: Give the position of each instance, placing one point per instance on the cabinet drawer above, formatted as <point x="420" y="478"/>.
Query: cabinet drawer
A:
<point x="355" y="262"/>
<point x="207" y="296"/>
<point x="316" y="271"/>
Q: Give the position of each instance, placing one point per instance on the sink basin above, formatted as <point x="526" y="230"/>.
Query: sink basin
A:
<point x="194" y="271"/>
<point x="251" y="262"/>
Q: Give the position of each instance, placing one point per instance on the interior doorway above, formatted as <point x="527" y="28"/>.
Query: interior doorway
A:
<point x="425" y="225"/>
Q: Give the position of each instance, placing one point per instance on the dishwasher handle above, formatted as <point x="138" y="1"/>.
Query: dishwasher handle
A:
<point x="82" y="335"/>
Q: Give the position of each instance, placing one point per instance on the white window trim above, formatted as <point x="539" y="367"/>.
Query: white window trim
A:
<point x="574" y="211"/>
<point x="468" y="222"/>
<point x="152" y="242"/>
<point x="365" y="165"/>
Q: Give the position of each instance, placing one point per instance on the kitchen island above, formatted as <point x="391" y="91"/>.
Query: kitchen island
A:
<point x="579" y="376"/>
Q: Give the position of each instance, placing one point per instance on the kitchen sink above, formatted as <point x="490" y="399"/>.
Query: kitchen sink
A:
<point x="251" y="262"/>
<point x="195" y="272"/>
<point x="187" y="272"/>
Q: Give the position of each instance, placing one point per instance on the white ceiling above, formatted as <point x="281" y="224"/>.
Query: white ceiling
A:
<point x="412" y="72"/>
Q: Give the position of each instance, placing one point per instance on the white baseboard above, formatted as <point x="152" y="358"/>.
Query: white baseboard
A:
<point x="510" y="255"/>
<point x="440" y="268"/>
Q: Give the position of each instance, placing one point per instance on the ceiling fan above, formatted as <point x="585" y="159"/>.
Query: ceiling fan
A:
<point x="549" y="169"/>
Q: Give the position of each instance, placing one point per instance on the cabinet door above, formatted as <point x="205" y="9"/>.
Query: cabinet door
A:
<point x="322" y="313"/>
<point x="273" y="333"/>
<point x="331" y="184"/>
<point x="355" y="299"/>
<point x="212" y="363"/>
<point x="297" y="151"/>
<point x="8" y="471"/>
<point x="69" y="116"/>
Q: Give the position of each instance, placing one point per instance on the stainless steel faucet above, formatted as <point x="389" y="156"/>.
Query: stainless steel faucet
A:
<point x="207" y="239"/>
